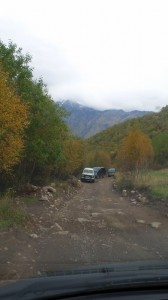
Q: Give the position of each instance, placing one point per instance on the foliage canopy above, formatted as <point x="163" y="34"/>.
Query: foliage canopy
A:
<point x="135" y="152"/>
<point x="13" y="121"/>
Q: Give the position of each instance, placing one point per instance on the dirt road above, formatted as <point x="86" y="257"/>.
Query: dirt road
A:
<point x="96" y="225"/>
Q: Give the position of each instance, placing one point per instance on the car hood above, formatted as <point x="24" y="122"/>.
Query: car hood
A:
<point x="107" y="277"/>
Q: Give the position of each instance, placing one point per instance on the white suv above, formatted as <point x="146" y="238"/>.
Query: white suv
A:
<point x="88" y="175"/>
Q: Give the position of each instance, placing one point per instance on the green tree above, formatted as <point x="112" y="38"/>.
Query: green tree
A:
<point x="17" y="66"/>
<point x="160" y="146"/>
<point x="45" y="135"/>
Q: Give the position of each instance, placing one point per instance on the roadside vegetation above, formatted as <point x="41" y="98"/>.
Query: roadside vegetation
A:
<point x="155" y="182"/>
<point x="36" y="146"/>
<point x="11" y="214"/>
<point x="35" y="143"/>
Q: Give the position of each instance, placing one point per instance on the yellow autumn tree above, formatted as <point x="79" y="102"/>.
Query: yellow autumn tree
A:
<point x="74" y="156"/>
<point x="97" y="158"/>
<point x="13" y="121"/>
<point x="102" y="159"/>
<point x="136" y="151"/>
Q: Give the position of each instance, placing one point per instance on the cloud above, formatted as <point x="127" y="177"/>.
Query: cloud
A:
<point x="106" y="54"/>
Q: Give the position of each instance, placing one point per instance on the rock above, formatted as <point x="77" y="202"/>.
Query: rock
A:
<point x="144" y="200"/>
<point x="101" y="225"/>
<point x="38" y="273"/>
<point x="62" y="232"/>
<point x="44" y="198"/>
<point x="133" y="192"/>
<point x="88" y="207"/>
<point x="95" y="214"/>
<point x="34" y="235"/>
<point x="79" y="183"/>
<point x="49" y="189"/>
<point x="155" y="225"/>
<point x="49" y="195"/>
<point x="28" y="188"/>
<point x="120" y="212"/>
<point x="75" y="237"/>
<point x="124" y="193"/>
<point x="75" y="182"/>
<point x="133" y="201"/>
<point x="115" y="186"/>
<point x="140" y="221"/>
<point x="58" y="226"/>
<point x="81" y="220"/>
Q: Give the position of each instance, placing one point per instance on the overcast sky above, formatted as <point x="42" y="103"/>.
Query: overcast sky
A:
<point x="101" y="53"/>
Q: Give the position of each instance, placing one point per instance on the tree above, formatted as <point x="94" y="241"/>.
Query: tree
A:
<point x="44" y="137"/>
<point x="13" y="121"/>
<point x="136" y="151"/>
<point x="160" y="146"/>
<point x="73" y="156"/>
<point x="102" y="159"/>
<point x="17" y="66"/>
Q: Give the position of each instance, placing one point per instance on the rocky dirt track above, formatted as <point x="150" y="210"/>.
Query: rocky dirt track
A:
<point x="95" y="225"/>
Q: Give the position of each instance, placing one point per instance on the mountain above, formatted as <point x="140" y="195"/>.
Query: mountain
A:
<point x="86" y="122"/>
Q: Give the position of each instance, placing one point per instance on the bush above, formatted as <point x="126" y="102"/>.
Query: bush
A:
<point x="124" y="181"/>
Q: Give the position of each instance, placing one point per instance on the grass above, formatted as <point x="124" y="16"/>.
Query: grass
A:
<point x="11" y="214"/>
<point x="30" y="200"/>
<point x="154" y="183"/>
<point x="159" y="184"/>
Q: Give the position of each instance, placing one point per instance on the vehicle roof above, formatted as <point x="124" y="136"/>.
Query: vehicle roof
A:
<point x="98" y="168"/>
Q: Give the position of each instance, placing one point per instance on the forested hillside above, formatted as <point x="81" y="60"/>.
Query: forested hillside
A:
<point x="155" y="126"/>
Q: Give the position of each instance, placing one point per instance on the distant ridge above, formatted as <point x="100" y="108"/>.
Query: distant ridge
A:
<point x="85" y="121"/>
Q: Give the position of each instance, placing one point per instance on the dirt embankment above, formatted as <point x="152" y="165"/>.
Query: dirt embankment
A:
<point x="94" y="225"/>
